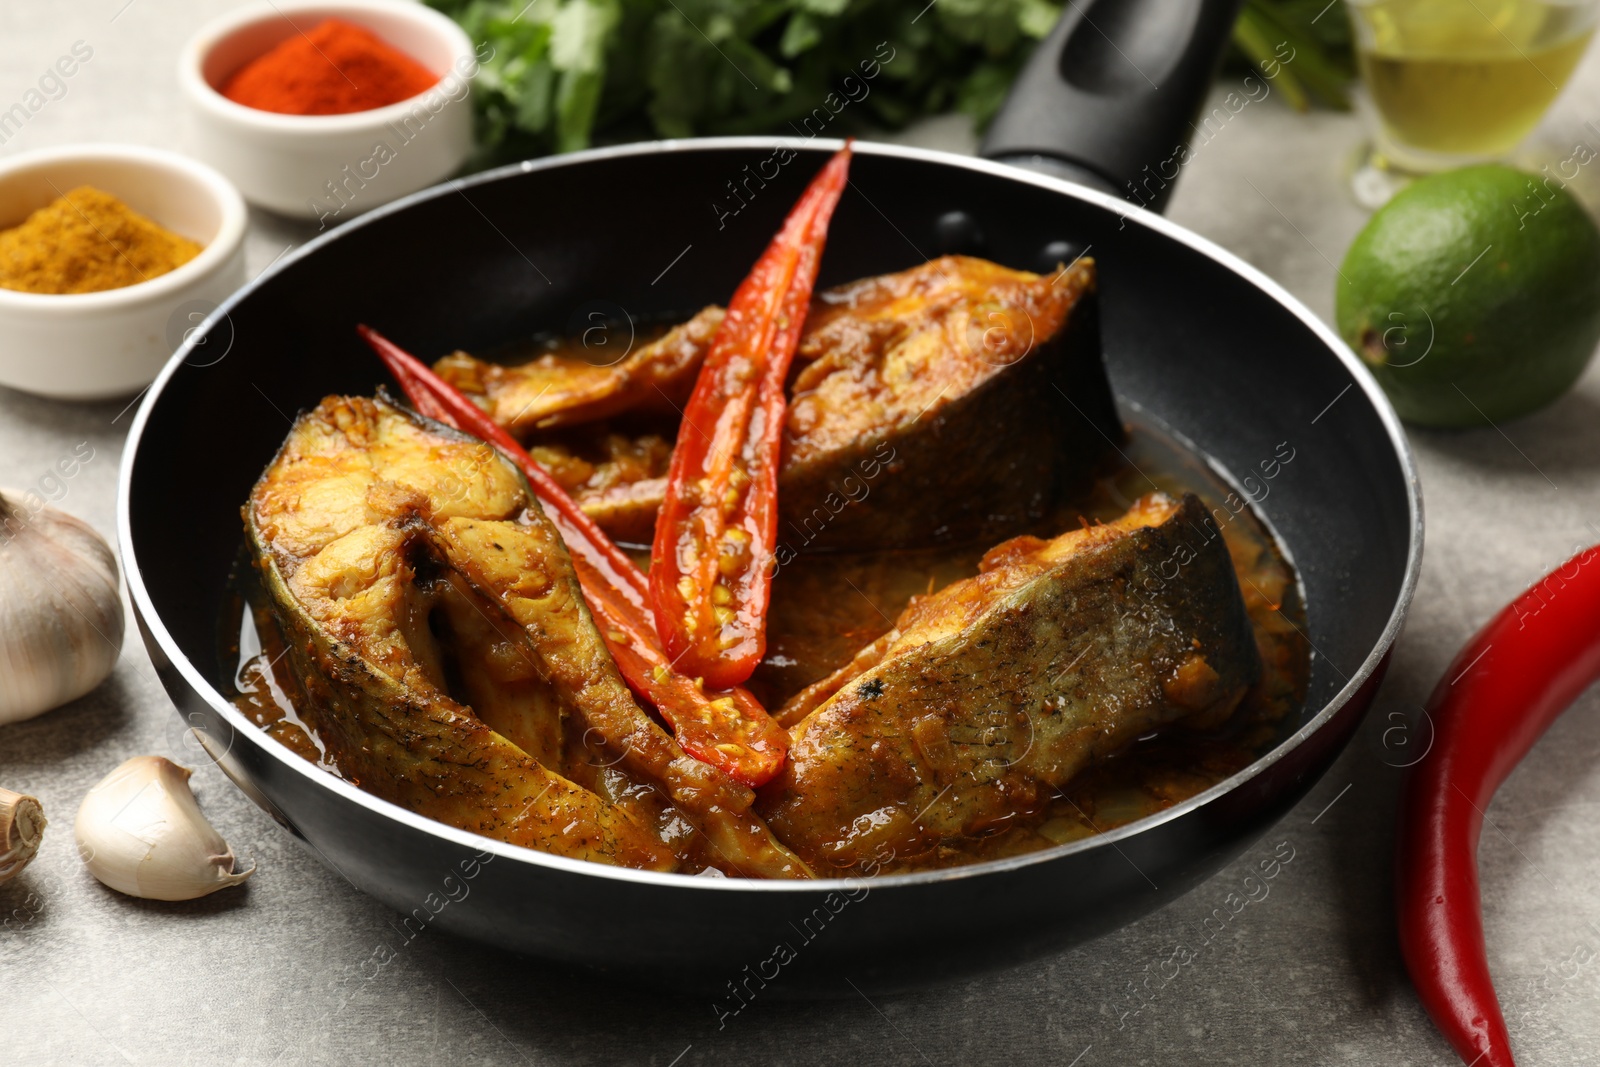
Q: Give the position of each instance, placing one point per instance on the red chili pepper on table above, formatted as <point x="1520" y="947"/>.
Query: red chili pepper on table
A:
<point x="1502" y="691"/>
<point x="710" y="565"/>
<point x="729" y="730"/>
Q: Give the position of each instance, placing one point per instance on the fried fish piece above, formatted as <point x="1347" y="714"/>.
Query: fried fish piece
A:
<point x="558" y="390"/>
<point x="619" y="479"/>
<point x="959" y="397"/>
<point x="993" y="693"/>
<point x="962" y="396"/>
<point x="448" y="660"/>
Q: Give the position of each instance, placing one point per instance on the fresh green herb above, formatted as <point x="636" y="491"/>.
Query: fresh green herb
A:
<point x="567" y="73"/>
<point x="563" y="74"/>
<point x="1304" y="46"/>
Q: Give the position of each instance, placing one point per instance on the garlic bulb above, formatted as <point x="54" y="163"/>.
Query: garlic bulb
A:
<point x="60" y="612"/>
<point x="21" y="828"/>
<point x="141" y="832"/>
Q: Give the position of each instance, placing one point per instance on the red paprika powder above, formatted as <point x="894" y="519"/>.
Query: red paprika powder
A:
<point x="333" y="69"/>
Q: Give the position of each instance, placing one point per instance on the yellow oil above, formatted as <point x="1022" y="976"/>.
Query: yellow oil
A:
<point x="1466" y="78"/>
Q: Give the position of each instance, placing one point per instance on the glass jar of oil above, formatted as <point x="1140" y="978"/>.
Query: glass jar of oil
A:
<point x="1458" y="81"/>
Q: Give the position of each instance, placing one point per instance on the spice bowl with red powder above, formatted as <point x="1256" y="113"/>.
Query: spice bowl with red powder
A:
<point x="325" y="110"/>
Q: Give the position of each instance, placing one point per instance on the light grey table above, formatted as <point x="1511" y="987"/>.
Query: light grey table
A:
<point x="274" y="973"/>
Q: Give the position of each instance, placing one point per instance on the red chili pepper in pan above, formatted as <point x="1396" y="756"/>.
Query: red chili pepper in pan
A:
<point x="729" y="730"/>
<point x="1499" y="695"/>
<point x="711" y="563"/>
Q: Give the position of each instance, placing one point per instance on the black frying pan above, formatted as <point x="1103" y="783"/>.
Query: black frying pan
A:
<point x="1196" y="342"/>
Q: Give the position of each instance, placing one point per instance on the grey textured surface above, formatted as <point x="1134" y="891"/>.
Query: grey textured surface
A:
<point x="280" y="972"/>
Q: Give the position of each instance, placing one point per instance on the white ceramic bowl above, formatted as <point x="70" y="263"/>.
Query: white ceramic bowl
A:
<point x="91" y="346"/>
<point x="330" y="167"/>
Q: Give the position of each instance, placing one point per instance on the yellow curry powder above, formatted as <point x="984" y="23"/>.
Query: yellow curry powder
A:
<point x="85" y="242"/>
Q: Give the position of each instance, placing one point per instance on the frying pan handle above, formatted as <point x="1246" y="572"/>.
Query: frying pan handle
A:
<point x="1109" y="98"/>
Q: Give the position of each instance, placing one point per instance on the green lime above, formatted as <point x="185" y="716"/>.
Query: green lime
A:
<point x="1473" y="295"/>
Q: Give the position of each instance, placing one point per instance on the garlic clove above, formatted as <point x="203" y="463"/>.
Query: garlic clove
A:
<point x="141" y="832"/>
<point x="22" y="825"/>
<point x="61" y="617"/>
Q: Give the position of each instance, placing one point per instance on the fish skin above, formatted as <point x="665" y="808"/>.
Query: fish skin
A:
<point x="353" y="527"/>
<point x="995" y="692"/>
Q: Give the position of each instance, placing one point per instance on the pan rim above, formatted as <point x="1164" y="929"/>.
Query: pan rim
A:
<point x="156" y="631"/>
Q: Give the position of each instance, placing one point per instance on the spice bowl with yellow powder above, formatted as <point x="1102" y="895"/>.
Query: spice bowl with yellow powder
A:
<point x="109" y="255"/>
